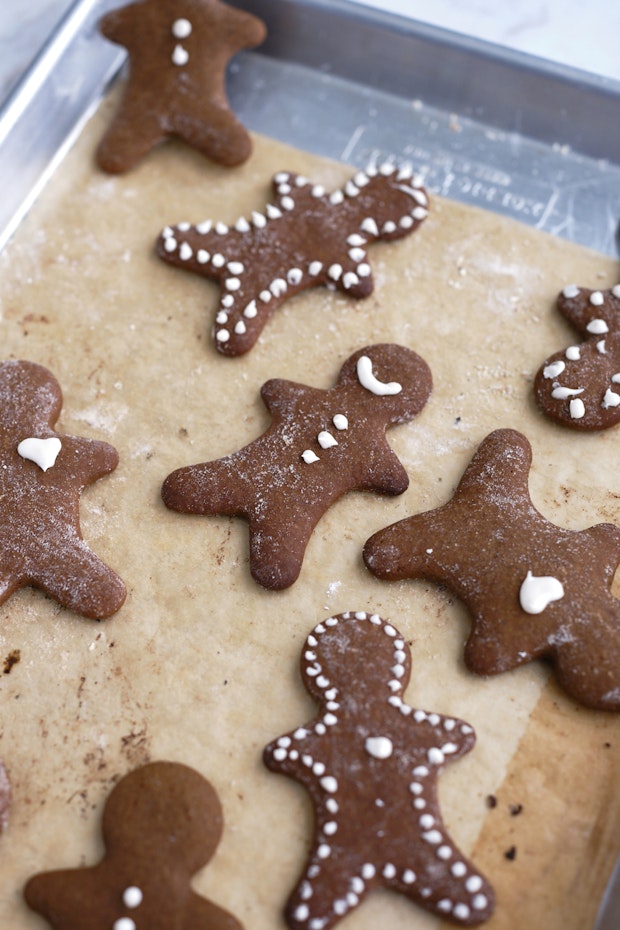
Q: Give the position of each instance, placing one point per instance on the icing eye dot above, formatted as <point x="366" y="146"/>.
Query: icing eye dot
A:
<point x="132" y="896"/>
<point x="181" y="28"/>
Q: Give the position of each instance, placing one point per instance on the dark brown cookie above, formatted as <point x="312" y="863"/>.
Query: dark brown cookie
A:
<point x="579" y="387"/>
<point x="319" y="445"/>
<point x="370" y="763"/>
<point x="533" y="589"/>
<point x="305" y="239"/>
<point x="161" y="824"/>
<point x="42" y="475"/>
<point x="178" y="53"/>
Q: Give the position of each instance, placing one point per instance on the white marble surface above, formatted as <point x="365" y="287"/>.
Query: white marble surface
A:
<point x="559" y="30"/>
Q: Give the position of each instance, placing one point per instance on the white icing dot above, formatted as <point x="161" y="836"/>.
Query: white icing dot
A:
<point x="573" y="353"/>
<point x="43" y="452"/>
<point x="232" y="284"/>
<point x="222" y="335"/>
<point x="235" y="268"/>
<point x="242" y="225"/>
<point x="415" y="787"/>
<point x="389" y="870"/>
<point x="363" y="270"/>
<point x="132" y="896"/>
<point x="330" y="828"/>
<point x="181" y="28"/>
<point x="323" y="851"/>
<point x="280" y="754"/>
<point x="309" y="456"/>
<point x="570" y="291"/>
<point x="427" y="821"/>
<point x="537" y="592"/>
<point x="185" y="252"/>
<point x="202" y="256"/>
<point x="340" y="421"/>
<point x="278" y="287"/>
<point x="597" y="299"/>
<point x="251" y="310"/>
<point x="616" y="290"/>
<point x="180" y="56"/>
<point x="287" y="203"/>
<point x="272" y="212"/>
<point x="124" y="923"/>
<point x="204" y="227"/>
<point x="479" y="902"/>
<point x="326" y="440"/>
<point x="240" y="328"/>
<point x="350" y="279"/>
<point x="368" y="871"/>
<point x="221" y="318"/>
<point x="473" y="883"/>
<point x="221" y="229"/>
<point x="379" y="747"/>
<point x="218" y="260"/>
<point x="433" y="837"/>
<point x="371" y="383"/>
<point x="554" y="369"/>
<point x="335" y="272"/>
<point x="435" y="756"/>
<point x="611" y="399"/>
<point x="302" y="912"/>
<point x="258" y="220"/>
<point x="444" y="853"/>
<point x="294" y="276"/>
<point x="577" y="409"/>
<point x="265" y="296"/>
<point x="315" y="268"/>
<point x="369" y="226"/>
<point x="409" y="876"/>
<point x="597" y="327"/>
<point x="170" y="244"/>
<point x="458" y="869"/>
<point x="329" y="784"/>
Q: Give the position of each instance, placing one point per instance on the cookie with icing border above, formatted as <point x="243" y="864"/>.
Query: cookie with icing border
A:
<point x="176" y="86"/>
<point x="161" y="824"/>
<point x="42" y="474"/>
<point x="319" y="445"/>
<point x="533" y="589"/>
<point x="371" y="763"/>
<point x="305" y="239"/>
<point x="579" y="387"/>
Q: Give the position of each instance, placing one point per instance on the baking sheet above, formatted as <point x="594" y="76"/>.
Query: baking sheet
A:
<point x="537" y="146"/>
<point x="485" y="126"/>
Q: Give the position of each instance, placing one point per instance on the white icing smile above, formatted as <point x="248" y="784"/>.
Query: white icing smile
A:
<point x="371" y="383"/>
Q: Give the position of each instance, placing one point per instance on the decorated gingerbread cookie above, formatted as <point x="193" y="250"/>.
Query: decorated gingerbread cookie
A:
<point x="42" y="475"/>
<point x="305" y="239"/>
<point x="533" y="589"/>
<point x="370" y="763"/>
<point x="319" y="445"/>
<point x="178" y="53"/>
<point x="161" y="824"/>
<point x="579" y="387"/>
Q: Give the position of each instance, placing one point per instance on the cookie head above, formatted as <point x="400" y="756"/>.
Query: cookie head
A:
<point x="393" y="380"/>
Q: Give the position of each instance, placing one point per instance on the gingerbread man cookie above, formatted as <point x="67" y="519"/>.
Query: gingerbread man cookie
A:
<point x="319" y="445"/>
<point x="305" y="239"/>
<point x="370" y="763"/>
<point x="161" y="824"/>
<point x="533" y="589"/>
<point x="580" y="386"/>
<point x="178" y="53"/>
<point x="42" y="475"/>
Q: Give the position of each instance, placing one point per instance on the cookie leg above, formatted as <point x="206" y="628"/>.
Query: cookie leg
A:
<point x="132" y="134"/>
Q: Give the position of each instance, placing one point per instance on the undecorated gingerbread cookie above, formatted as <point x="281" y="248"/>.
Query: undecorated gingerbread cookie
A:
<point x="42" y="474"/>
<point x="371" y="763"/>
<point x="306" y="238"/>
<point x="161" y="824"/>
<point x="533" y="589"/>
<point x="178" y="53"/>
<point x="579" y="387"/>
<point x="319" y="445"/>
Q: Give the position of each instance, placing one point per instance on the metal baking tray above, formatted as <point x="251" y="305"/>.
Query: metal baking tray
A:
<point x="486" y="126"/>
<point x="483" y="125"/>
